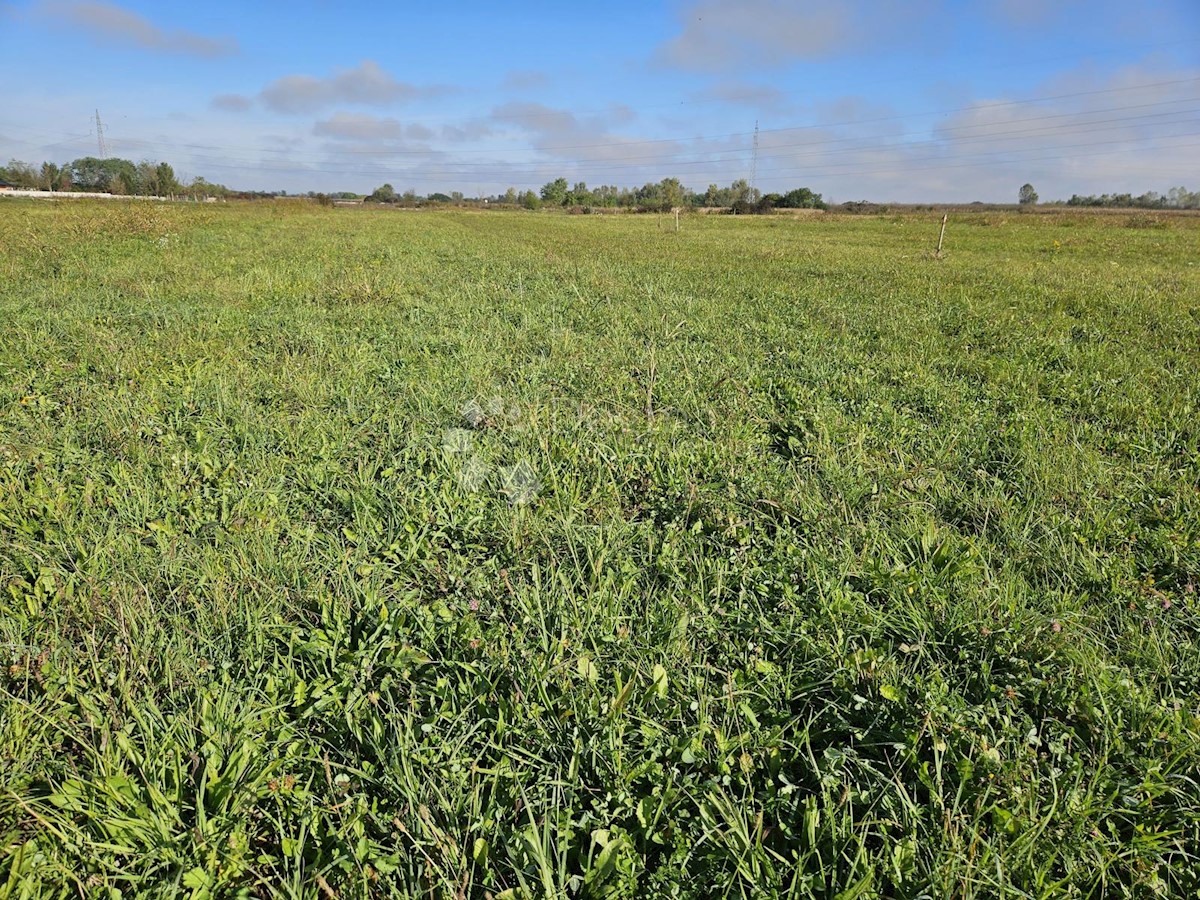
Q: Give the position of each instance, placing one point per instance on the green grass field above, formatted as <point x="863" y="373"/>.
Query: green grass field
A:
<point x="349" y="553"/>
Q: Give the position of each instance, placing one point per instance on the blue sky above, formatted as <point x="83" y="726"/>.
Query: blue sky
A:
<point x="906" y="101"/>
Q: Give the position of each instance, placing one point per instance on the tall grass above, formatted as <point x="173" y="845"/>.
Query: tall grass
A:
<point x="360" y="554"/>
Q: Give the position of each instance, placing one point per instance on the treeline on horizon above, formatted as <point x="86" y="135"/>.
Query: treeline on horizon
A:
<point x="670" y="193"/>
<point x="92" y="175"/>
<point x="1175" y="198"/>
<point x="115" y="175"/>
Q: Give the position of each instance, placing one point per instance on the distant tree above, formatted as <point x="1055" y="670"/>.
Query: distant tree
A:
<point x="201" y="188"/>
<point x="580" y="195"/>
<point x="768" y="202"/>
<point x="50" y="177"/>
<point x="1027" y="196"/>
<point x="802" y="198"/>
<point x="165" y="181"/>
<point x="385" y="193"/>
<point x="741" y="190"/>
<point x="510" y="196"/>
<point x="671" y="193"/>
<point x="456" y="196"/>
<point x="91" y="174"/>
<point x="1175" y="198"/>
<point x="649" y="196"/>
<point x="439" y="197"/>
<point x="122" y="176"/>
<point x="22" y="174"/>
<point x="555" y="192"/>
<point x="146" y="180"/>
<point x="606" y="195"/>
<point x="1181" y="198"/>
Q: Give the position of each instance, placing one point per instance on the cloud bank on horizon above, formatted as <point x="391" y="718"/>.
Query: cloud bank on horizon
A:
<point x="931" y="100"/>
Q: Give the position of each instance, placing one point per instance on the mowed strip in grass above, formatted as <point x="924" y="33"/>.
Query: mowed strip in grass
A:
<point x="349" y="553"/>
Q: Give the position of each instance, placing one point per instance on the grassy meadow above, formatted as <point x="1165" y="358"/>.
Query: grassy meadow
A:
<point x="351" y="553"/>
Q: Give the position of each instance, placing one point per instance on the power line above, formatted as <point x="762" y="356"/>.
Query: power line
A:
<point x="814" y="147"/>
<point x="965" y="134"/>
<point x="537" y="170"/>
<point x="1064" y="125"/>
<point x="729" y="135"/>
<point x="985" y="159"/>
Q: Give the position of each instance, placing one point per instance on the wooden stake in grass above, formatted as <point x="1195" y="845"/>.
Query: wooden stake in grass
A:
<point x="941" y="234"/>
<point x="650" y="387"/>
<point x="677" y="220"/>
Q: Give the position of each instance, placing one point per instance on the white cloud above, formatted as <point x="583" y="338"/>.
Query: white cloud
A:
<point x="524" y="80"/>
<point x="366" y="84"/>
<point x="560" y="135"/>
<point x="109" y="22"/>
<point x="1082" y="131"/>
<point x="747" y="95"/>
<point x="232" y="102"/>
<point x="728" y="35"/>
<point x="362" y="127"/>
<point x="1131" y="130"/>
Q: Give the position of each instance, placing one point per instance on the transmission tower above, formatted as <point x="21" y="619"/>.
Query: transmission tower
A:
<point x="100" y="137"/>
<point x="753" y="157"/>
